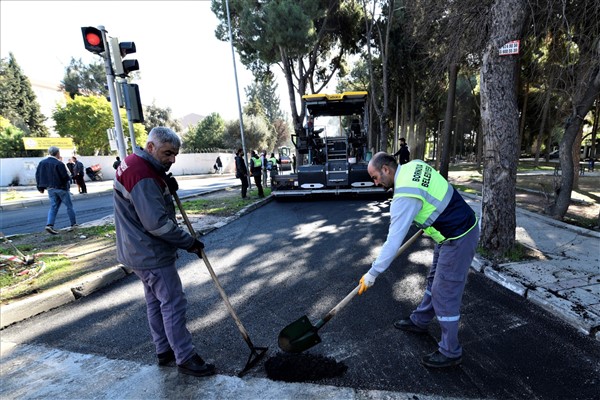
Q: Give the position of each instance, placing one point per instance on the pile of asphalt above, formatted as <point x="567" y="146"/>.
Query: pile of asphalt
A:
<point x="302" y="367"/>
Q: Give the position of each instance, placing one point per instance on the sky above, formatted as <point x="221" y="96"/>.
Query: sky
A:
<point x="183" y="65"/>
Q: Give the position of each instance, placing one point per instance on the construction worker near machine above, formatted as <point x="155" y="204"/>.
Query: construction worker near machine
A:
<point x="423" y="196"/>
<point x="263" y="160"/>
<point x="148" y="237"/>
<point x="241" y="171"/>
<point x="256" y="167"/>
<point x="403" y="152"/>
<point x="272" y="166"/>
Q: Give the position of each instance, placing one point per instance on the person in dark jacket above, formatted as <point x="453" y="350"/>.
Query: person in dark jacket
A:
<point x="241" y="171"/>
<point x="52" y="175"/>
<point x="117" y="163"/>
<point x="256" y="167"/>
<point x="78" y="175"/>
<point x="148" y="238"/>
<point x="70" y="167"/>
<point x="403" y="152"/>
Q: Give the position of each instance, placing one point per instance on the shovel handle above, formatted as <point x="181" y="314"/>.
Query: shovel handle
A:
<point x="213" y="275"/>
<point x="337" y="308"/>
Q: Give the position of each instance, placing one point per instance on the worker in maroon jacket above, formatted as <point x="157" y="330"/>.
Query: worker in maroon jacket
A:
<point x="148" y="238"/>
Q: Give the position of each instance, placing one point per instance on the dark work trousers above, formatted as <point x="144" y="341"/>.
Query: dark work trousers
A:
<point x="166" y="307"/>
<point x="445" y="286"/>
<point x="244" y="180"/>
<point x="80" y="183"/>
<point x="257" y="181"/>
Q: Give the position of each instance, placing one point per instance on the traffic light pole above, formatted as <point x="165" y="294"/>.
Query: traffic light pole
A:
<point x="110" y="79"/>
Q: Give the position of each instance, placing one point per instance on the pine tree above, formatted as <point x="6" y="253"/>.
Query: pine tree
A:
<point x="18" y="102"/>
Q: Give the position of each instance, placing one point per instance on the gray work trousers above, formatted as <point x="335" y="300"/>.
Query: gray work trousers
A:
<point x="445" y="286"/>
<point x="166" y="307"/>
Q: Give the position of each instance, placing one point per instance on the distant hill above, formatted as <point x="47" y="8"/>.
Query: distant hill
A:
<point x="190" y="119"/>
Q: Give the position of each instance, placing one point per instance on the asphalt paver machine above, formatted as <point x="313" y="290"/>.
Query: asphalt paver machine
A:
<point x="333" y="146"/>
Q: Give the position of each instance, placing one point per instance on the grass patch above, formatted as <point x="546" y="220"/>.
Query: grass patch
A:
<point x="51" y="270"/>
<point x="222" y="207"/>
<point x="517" y="253"/>
<point x="466" y="189"/>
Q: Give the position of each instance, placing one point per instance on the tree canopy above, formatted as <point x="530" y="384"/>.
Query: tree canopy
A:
<point x="87" y="80"/>
<point x="18" y="103"/>
<point x="207" y="134"/>
<point x="86" y="120"/>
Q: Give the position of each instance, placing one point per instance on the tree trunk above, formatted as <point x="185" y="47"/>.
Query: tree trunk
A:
<point x="523" y="117"/>
<point x="445" y="157"/>
<point x="540" y="137"/>
<point x="413" y="102"/>
<point x="588" y="90"/>
<point x="500" y="122"/>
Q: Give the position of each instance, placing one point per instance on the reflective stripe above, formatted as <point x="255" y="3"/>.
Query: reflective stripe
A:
<point x="427" y="291"/>
<point x="453" y="318"/>
<point x="168" y="227"/>
<point x="440" y="205"/>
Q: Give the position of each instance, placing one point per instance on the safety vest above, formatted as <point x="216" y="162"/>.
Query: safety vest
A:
<point x="273" y="162"/>
<point x="445" y="215"/>
<point x="257" y="162"/>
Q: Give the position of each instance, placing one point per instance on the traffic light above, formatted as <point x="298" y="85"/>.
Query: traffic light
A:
<point x="92" y="39"/>
<point x="133" y="102"/>
<point x="120" y="50"/>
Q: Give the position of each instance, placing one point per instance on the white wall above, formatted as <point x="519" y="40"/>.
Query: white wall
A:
<point x="23" y="169"/>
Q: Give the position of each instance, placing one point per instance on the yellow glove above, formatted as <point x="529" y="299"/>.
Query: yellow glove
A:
<point x="366" y="282"/>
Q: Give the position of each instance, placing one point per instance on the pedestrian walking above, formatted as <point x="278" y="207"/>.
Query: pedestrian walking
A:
<point x="423" y="196"/>
<point x="148" y="238"/>
<point x="219" y="165"/>
<point x="78" y="175"/>
<point x="52" y="175"/>
<point x="241" y="171"/>
<point x="256" y="169"/>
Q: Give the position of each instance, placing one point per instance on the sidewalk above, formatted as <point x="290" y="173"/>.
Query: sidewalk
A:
<point x="29" y="195"/>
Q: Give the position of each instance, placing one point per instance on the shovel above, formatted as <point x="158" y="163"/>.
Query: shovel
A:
<point x="256" y="353"/>
<point x="301" y="335"/>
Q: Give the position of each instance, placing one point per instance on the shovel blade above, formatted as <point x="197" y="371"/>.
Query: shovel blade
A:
<point x="298" y="336"/>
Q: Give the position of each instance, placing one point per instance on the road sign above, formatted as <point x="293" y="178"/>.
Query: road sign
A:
<point x="43" y="143"/>
<point x="510" y="48"/>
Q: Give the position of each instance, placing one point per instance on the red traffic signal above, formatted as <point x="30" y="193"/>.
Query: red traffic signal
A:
<point x="92" y="39"/>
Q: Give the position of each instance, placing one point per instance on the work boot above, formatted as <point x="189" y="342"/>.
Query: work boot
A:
<point x="196" y="366"/>
<point x="166" y="358"/>
<point x="407" y="325"/>
<point x="438" y="360"/>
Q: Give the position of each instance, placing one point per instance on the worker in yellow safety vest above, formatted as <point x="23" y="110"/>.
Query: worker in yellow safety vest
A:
<point x="256" y="171"/>
<point x="423" y="196"/>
